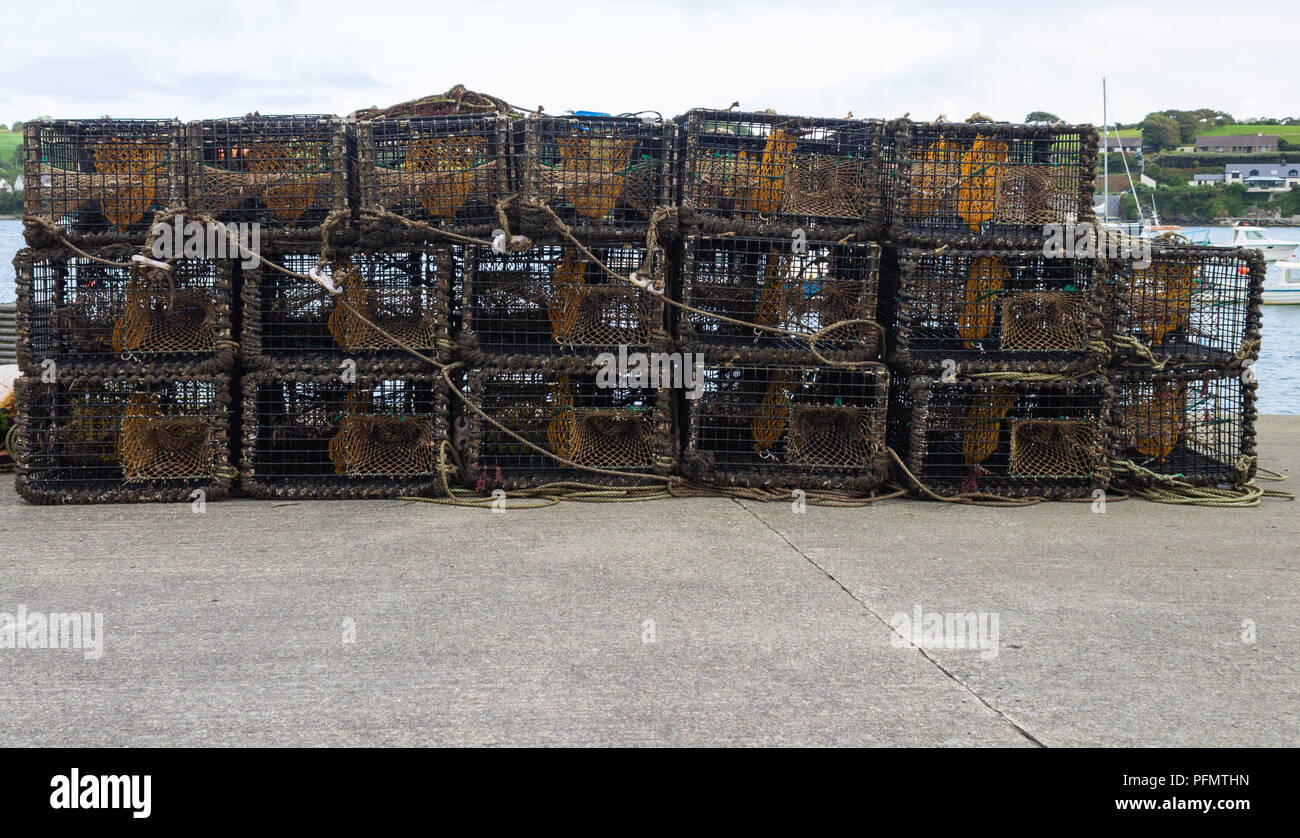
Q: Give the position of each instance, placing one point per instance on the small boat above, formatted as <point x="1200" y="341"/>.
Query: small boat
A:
<point x="1283" y="289"/>
<point x="1248" y="235"/>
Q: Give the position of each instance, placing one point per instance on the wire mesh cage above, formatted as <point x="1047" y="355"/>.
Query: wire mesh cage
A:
<point x="82" y="439"/>
<point x="794" y="284"/>
<point x="284" y="173"/>
<point x="376" y="434"/>
<point x="552" y="300"/>
<point x="448" y="171"/>
<point x="101" y="180"/>
<point x="1005" y="438"/>
<point x="981" y="181"/>
<point x="788" y="425"/>
<point x="988" y="310"/>
<point x="1190" y="305"/>
<point x="765" y="173"/>
<point x="96" y="318"/>
<point x="1195" y="425"/>
<point x="389" y="297"/>
<point x="589" y="416"/>
<point x="597" y="173"/>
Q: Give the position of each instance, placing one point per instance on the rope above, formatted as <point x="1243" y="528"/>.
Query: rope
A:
<point x="1170" y="489"/>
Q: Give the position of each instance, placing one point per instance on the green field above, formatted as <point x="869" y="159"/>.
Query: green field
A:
<point x="8" y="142"/>
<point x="1290" y="133"/>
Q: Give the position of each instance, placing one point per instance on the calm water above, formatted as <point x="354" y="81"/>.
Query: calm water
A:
<point x="1278" y="368"/>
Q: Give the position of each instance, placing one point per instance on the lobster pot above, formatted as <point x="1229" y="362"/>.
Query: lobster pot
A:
<point x="390" y="298"/>
<point x="283" y="173"/>
<point x="376" y="434"/>
<point x="95" y="318"/>
<point x="795" y="284"/>
<point x="82" y="439"/>
<point x="989" y="310"/>
<point x="1191" y="305"/>
<point x="788" y="425"/>
<point x="1006" y="438"/>
<point x="590" y="417"/>
<point x="552" y="300"/>
<point x="101" y="180"/>
<point x="1195" y="425"/>
<point x="599" y="174"/>
<point x="974" y="182"/>
<point x="448" y="171"/>
<point x="763" y="173"/>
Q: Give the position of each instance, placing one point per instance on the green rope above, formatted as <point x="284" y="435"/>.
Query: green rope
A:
<point x="1168" y="488"/>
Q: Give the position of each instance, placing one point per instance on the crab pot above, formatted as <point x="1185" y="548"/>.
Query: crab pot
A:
<point x="1191" y="305"/>
<point x="999" y="310"/>
<point x="391" y="298"/>
<point x="977" y="182"/>
<point x="565" y="408"/>
<point x="1005" y="438"/>
<point x="101" y="180"/>
<point x="106" y="320"/>
<point x="316" y="434"/>
<point x="599" y="174"/>
<point x="1195" y="425"/>
<point x="284" y="173"/>
<point x="788" y="425"/>
<point x="447" y="171"/>
<point x="552" y="300"/>
<point x="763" y="173"/>
<point x="82" y="439"/>
<point x="798" y="285"/>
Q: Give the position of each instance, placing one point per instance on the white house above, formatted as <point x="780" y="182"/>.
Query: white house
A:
<point x="18" y="184"/>
<point x="4" y="186"/>
<point x="1263" y="177"/>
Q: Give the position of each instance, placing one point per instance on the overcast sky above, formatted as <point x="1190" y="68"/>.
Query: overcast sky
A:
<point x="1003" y="59"/>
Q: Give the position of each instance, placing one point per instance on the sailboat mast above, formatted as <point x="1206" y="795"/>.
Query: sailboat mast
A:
<point x="1105" y="155"/>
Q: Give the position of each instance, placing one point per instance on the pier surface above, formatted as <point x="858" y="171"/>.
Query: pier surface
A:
<point x="389" y="623"/>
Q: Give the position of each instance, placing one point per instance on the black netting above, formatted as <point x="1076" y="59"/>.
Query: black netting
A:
<point x="794" y="284"/>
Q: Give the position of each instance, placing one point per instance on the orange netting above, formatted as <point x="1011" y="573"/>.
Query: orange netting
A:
<point x="154" y="446"/>
<point x="1153" y="416"/>
<point x="136" y="166"/>
<point x="984" y="424"/>
<point x="832" y="435"/>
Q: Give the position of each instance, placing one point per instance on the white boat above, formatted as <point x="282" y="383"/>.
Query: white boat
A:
<point x="1245" y="235"/>
<point x="1283" y="289"/>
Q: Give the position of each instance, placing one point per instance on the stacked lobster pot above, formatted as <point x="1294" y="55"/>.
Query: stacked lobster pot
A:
<point x="779" y="279"/>
<point x="333" y="404"/>
<point x="561" y="329"/>
<point x="126" y="358"/>
<point x="999" y="328"/>
<point x="1187" y="332"/>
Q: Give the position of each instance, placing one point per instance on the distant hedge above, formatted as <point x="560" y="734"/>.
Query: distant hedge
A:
<point x="1196" y="161"/>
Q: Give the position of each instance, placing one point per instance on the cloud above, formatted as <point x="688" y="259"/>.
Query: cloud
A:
<point x="825" y="58"/>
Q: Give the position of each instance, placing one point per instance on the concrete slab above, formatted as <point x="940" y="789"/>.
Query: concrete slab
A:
<point x="769" y="627"/>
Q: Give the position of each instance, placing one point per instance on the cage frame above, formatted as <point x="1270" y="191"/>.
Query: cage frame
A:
<point x="1233" y="473"/>
<point x="221" y="357"/>
<point x="868" y="224"/>
<point x="473" y="344"/>
<point x="339" y="486"/>
<point x="911" y="418"/>
<point x="902" y="173"/>
<point x="438" y="262"/>
<point x="337" y="199"/>
<point x="657" y="137"/>
<point x="41" y="200"/>
<point x="1095" y="306"/>
<point x="664" y="441"/>
<point x="700" y="464"/>
<point x="34" y="484"/>
<point x="371" y="194"/>
<point x="769" y="346"/>
<point x="1125" y="320"/>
